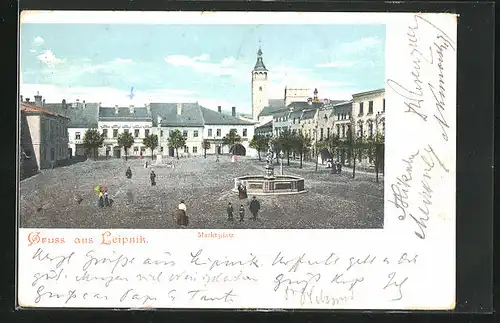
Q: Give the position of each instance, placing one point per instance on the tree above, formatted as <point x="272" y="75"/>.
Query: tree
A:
<point x="302" y="145"/>
<point x="151" y="142"/>
<point x="333" y="144"/>
<point x="260" y="143"/>
<point x="125" y="140"/>
<point x="375" y="151"/>
<point x="286" y="140"/>
<point x="176" y="140"/>
<point x="231" y="139"/>
<point x="206" y="145"/>
<point x="92" y="140"/>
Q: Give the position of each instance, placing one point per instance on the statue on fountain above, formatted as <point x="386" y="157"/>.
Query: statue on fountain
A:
<point x="269" y="168"/>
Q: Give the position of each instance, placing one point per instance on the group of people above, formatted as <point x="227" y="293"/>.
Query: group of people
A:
<point x="335" y="166"/>
<point x="103" y="196"/>
<point x="254" y="209"/>
<point x="152" y="176"/>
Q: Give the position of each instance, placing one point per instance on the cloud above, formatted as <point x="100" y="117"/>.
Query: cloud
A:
<point x="227" y="66"/>
<point x="336" y="64"/>
<point x="360" y="45"/>
<point x="49" y="58"/>
<point x="32" y="50"/>
<point x="38" y="41"/>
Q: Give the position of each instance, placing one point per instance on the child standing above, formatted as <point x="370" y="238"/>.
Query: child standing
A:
<point x="242" y="213"/>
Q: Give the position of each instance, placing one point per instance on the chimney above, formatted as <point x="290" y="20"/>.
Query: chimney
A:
<point x="27" y="100"/>
<point x="219" y="109"/>
<point x="116" y="109"/>
<point x="83" y="104"/>
<point x="38" y="99"/>
<point x="131" y="108"/>
<point x="309" y="101"/>
<point x="43" y="102"/>
<point x="179" y="109"/>
<point x="64" y="104"/>
<point x="233" y="111"/>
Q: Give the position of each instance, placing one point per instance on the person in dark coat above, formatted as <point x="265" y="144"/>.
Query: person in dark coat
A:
<point x="152" y="177"/>
<point x="242" y="213"/>
<point x="230" y="211"/>
<point x="128" y="173"/>
<point x="254" y="208"/>
<point x="106" y="198"/>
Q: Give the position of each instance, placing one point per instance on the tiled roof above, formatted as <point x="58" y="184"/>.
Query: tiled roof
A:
<point x="212" y="117"/>
<point x="308" y="114"/>
<point x="192" y="115"/>
<point x="80" y="117"/>
<point x="282" y="113"/>
<point x="368" y="92"/>
<point x="265" y="125"/>
<point x="31" y="108"/>
<point x="109" y="114"/>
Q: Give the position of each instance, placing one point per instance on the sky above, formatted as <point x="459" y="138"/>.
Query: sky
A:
<point x="210" y="64"/>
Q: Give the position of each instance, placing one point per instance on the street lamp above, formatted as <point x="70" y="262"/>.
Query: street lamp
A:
<point x="281" y="157"/>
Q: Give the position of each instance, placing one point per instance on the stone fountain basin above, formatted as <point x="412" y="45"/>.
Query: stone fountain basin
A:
<point x="275" y="185"/>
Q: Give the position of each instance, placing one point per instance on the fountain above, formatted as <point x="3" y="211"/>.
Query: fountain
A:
<point x="270" y="184"/>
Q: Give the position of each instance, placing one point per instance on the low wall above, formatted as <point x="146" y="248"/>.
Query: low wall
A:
<point x="277" y="185"/>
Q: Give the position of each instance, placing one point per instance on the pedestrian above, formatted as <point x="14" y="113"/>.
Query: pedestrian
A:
<point x="182" y="218"/>
<point x="242" y="213"/>
<point x="100" y="201"/>
<point x="152" y="177"/>
<point x="128" y="173"/>
<point x="106" y="198"/>
<point x="254" y="208"/>
<point x="182" y="206"/>
<point x="230" y="211"/>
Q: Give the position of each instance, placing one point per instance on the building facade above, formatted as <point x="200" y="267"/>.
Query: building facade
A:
<point x="368" y="113"/>
<point x="44" y="136"/>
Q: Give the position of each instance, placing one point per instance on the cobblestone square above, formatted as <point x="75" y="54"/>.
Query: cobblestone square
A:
<point x="64" y="197"/>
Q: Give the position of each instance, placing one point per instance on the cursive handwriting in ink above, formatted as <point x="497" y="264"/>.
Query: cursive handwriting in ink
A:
<point x="41" y="293"/>
<point x="354" y="261"/>
<point x="393" y="283"/>
<point x="295" y="262"/>
<point x="86" y="277"/>
<point x="223" y="278"/>
<point x="197" y="260"/>
<point x="227" y="297"/>
<point x="40" y="255"/>
<point x="132" y="294"/>
<point x="338" y="279"/>
<point x="401" y="188"/>
<point x="162" y="262"/>
<point x="429" y="160"/>
<point x="51" y="275"/>
<point x="404" y="259"/>
<point x="121" y="260"/>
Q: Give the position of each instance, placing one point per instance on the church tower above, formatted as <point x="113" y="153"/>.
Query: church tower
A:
<point x="260" y="99"/>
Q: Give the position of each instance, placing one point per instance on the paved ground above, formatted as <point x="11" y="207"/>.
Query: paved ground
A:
<point x="50" y="199"/>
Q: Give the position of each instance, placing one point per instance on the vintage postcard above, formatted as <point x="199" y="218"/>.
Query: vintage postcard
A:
<point x="238" y="160"/>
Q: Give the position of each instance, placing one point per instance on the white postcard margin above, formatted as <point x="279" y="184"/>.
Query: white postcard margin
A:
<point x="410" y="264"/>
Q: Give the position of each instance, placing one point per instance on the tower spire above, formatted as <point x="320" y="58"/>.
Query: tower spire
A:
<point x="259" y="65"/>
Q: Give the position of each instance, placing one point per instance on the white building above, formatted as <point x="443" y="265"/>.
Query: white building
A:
<point x="198" y="123"/>
<point x="83" y="116"/>
<point x="368" y="113"/>
<point x="116" y="120"/>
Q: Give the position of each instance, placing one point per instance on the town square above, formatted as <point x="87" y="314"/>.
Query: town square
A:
<point x="254" y="145"/>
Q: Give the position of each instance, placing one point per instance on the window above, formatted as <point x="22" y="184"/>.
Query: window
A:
<point x="146" y="132"/>
<point x="186" y="149"/>
<point x="370" y="129"/>
<point x="195" y="134"/>
<point x="105" y="133"/>
<point x="361" y="130"/>
<point x="245" y="132"/>
<point x="361" y="108"/>
<point x="125" y="130"/>
<point x="293" y="120"/>
<point x="52" y="154"/>
<point x="338" y="130"/>
<point x="136" y="149"/>
<point x="115" y="133"/>
<point x="136" y="133"/>
<point x="218" y="132"/>
<point x="184" y="133"/>
<point x="77" y="136"/>
<point x="370" y="107"/>
<point x="161" y="149"/>
<point x="234" y="130"/>
<point x="383" y="105"/>
<point x="210" y="132"/>
<point x="321" y="134"/>
<point x="343" y="131"/>
<point x="195" y="150"/>
<point x="161" y="135"/>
